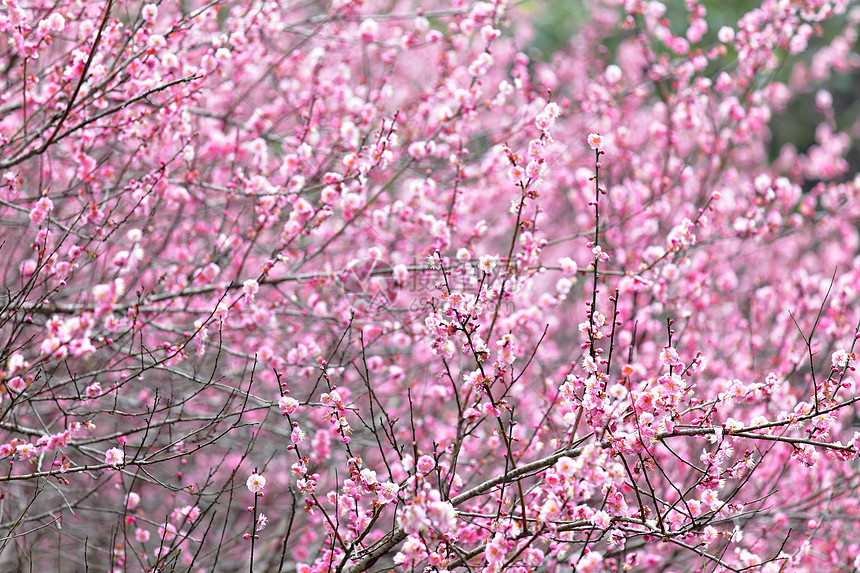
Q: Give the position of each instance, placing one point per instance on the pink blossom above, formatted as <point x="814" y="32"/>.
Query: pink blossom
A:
<point x="543" y="121"/>
<point x="167" y="532"/>
<point x="288" y="405"/>
<point x="601" y="519"/>
<point x="56" y="22"/>
<point x="368" y="30"/>
<point x="726" y="34"/>
<point x="250" y="288"/>
<point x="412" y="519"/>
<point x="425" y="464"/>
<point x="442" y="515"/>
<point x="840" y="359"/>
<point x="565" y="466"/>
<point x="256" y="483"/>
<point x="186" y="514"/>
<point x="613" y="74"/>
<point x="298" y="435"/>
<point x="184" y="184"/>
<point x="568" y="266"/>
<point x="669" y="356"/>
<point x="590" y="563"/>
<point x="496" y="549"/>
<point x="386" y="492"/>
<point x="17" y="384"/>
<point x="516" y="174"/>
<point x="132" y="500"/>
<point x="40" y="212"/>
<point x="114" y="457"/>
<point x="149" y="12"/>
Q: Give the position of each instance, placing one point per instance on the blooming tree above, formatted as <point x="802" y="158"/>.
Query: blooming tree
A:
<point x="330" y="287"/>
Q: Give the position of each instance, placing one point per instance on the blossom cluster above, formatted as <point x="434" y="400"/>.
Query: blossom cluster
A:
<point x="389" y="286"/>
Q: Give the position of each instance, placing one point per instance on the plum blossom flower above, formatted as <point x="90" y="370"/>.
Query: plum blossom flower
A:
<point x="56" y="22"/>
<point x="726" y="34"/>
<point x="368" y="30"/>
<point x="250" y="288"/>
<point x="840" y="358"/>
<point x="710" y="498"/>
<point x="40" y="212"/>
<point x="552" y="110"/>
<point x="401" y="272"/>
<point x="590" y="563"/>
<point x="613" y="74"/>
<point x="288" y="405"/>
<point x="167" y="532"/>
<point x="669" y="356"/>
<point x="550" y="509"/>
<point x="516" y="174"/>
<point x="536" y="149"/>
<point x="114" y="457"/>
<point x="442" y="515"/>
<point x="481" y="65"/>
<point x="737" y="534"/>
<point x="595" y="141"/>
<point x="149" y="13"/>
<point x="487" y="263"/>
<point x="298" y="435"/>
<point x="496" y="549"/>
<point x="565" y="466"/>
<point x="188" y="513"/>
<point x="488" y="33"/>
<point x="256" y="483"/>
<point x="601" y="519"/>
<point x="544" y="121"/>
<point x="132" y="500"/>
<point x="17" y="384"/>
<point x="568" y="266"/>
<point x="425" y="464"/>
<point x="332" y="399"/>
<point x="26" y="452"/>
<point x="471" y="414"/>
<point x="412" y="519"/>
<point x="709" y="534"/>
<point x="386" y="492"/>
